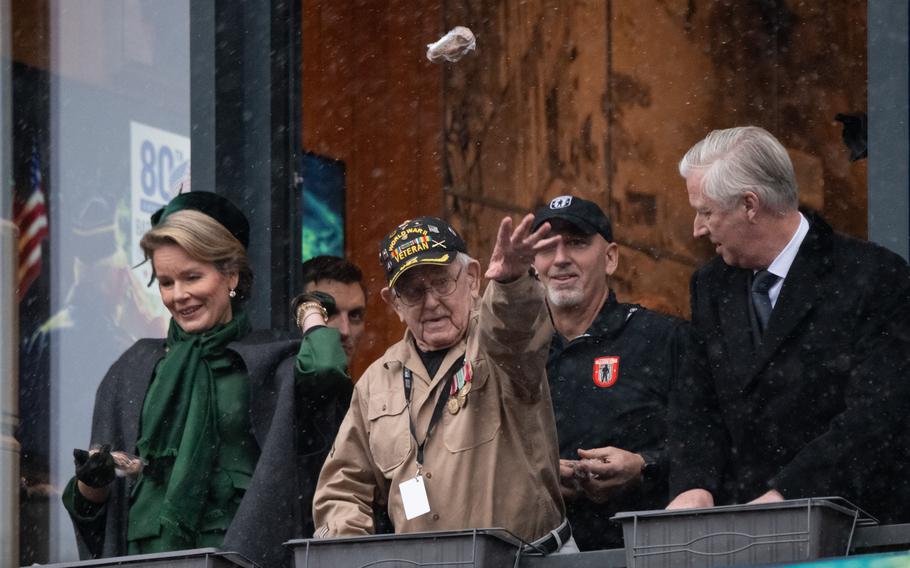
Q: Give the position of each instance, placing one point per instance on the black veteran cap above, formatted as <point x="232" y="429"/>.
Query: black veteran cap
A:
<point x="424" y="240"/>
<point x="584" y="214"/>
<point x="213" y="205"/>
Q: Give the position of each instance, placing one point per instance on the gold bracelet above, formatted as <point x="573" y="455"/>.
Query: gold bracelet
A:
<point x="303" y="307"/>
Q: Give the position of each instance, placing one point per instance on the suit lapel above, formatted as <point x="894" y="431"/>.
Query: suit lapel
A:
<point x="798" y="296"/>
<point x="801" y="292"/>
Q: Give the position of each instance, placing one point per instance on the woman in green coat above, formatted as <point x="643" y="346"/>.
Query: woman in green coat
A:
<point x="209" y="438"/>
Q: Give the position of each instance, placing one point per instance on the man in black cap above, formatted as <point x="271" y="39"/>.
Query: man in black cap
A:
<point x="610" y="369"/>
<point x="452" y="428"/>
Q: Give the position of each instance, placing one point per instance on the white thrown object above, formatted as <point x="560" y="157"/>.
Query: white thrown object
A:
<point x="452" y="46"/>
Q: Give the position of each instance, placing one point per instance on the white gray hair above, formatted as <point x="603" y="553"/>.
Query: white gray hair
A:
<point x="737" y="160"/>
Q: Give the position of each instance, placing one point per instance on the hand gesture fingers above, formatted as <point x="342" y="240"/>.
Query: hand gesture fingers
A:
<point x="514" y="250"/>
<point x="608" y="470"/>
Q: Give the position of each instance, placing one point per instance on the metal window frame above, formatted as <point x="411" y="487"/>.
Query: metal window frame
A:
<point x="888" y="179"/>
<point x="244" y="116"/>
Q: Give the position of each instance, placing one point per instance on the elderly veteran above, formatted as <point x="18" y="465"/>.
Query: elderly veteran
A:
<point x="452" y="428"/>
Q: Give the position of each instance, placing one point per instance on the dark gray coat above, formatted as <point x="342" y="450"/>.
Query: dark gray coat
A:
<point x="294" y="431"/>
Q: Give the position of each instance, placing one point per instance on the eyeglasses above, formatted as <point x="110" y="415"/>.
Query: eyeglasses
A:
<point x="412" y="295"/>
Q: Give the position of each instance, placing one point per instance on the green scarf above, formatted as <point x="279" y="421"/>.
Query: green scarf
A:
<point x="179" y="423"/>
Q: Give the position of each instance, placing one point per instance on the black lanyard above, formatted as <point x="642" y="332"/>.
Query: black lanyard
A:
<point x="408" y="380"/>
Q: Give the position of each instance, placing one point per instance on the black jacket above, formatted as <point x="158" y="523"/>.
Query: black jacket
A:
<point x="293" y="428"/>
<point x="820" y="407"/>
<point x="631" y="414"/>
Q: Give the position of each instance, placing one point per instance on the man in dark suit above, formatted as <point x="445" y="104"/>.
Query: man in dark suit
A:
<point x="800" y="345"/>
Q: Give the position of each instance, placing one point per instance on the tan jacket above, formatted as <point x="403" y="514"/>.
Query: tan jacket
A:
<point x="493" y="464"/>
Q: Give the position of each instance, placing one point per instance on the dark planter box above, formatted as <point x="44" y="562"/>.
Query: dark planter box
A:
<point x="478" y="548"/>
<point x="196" y="558"/>
<point x="788" y="531"/>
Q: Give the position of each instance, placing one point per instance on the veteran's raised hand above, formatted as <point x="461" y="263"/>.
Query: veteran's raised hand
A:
<point x="514" y="250"/>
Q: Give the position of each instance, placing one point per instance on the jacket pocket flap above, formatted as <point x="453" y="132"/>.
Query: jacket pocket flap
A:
<point x="390" y="439"/>
<point x="386" y="403"/>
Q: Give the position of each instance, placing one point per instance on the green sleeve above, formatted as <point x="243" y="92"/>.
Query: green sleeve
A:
<point x="321" y="365"/>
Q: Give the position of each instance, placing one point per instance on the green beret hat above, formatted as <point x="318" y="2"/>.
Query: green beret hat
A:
<point x="213" y="205"/>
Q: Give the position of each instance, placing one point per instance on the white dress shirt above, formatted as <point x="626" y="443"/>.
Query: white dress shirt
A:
<point x="782" y="263"/>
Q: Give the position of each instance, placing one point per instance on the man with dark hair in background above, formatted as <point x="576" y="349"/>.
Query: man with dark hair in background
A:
<point x="342" y="280"/>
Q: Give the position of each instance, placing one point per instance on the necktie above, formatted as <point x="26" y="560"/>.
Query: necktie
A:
<point x="761" y="283"/>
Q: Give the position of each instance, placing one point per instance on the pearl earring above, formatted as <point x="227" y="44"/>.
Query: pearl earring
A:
<point x="232" y="293"/>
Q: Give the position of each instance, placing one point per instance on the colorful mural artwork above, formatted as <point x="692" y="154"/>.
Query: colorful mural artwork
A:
<point x="322" y="206"/>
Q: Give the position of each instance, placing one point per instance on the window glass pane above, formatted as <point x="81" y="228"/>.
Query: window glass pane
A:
<point x="114" y="144"/>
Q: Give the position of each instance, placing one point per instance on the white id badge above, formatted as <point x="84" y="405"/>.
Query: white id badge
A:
<point x="414" y="497"/>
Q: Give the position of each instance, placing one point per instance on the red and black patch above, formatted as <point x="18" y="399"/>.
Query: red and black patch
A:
<point x="606" y="371"/>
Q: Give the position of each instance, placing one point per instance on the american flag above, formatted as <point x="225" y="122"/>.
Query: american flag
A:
<point x="31" y="218"/>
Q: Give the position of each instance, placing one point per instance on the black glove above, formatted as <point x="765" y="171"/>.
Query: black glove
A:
<point x="95" y="470"/>
<point x="323" y="299"/>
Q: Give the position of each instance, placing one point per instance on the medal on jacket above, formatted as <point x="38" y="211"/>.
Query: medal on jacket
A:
<point x="459" y="389"/>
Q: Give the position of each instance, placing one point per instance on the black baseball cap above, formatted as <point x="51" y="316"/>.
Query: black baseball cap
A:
<point x="213" y="205"/>
<point x="417" y="242"/>
<point x="586" y="215"/>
